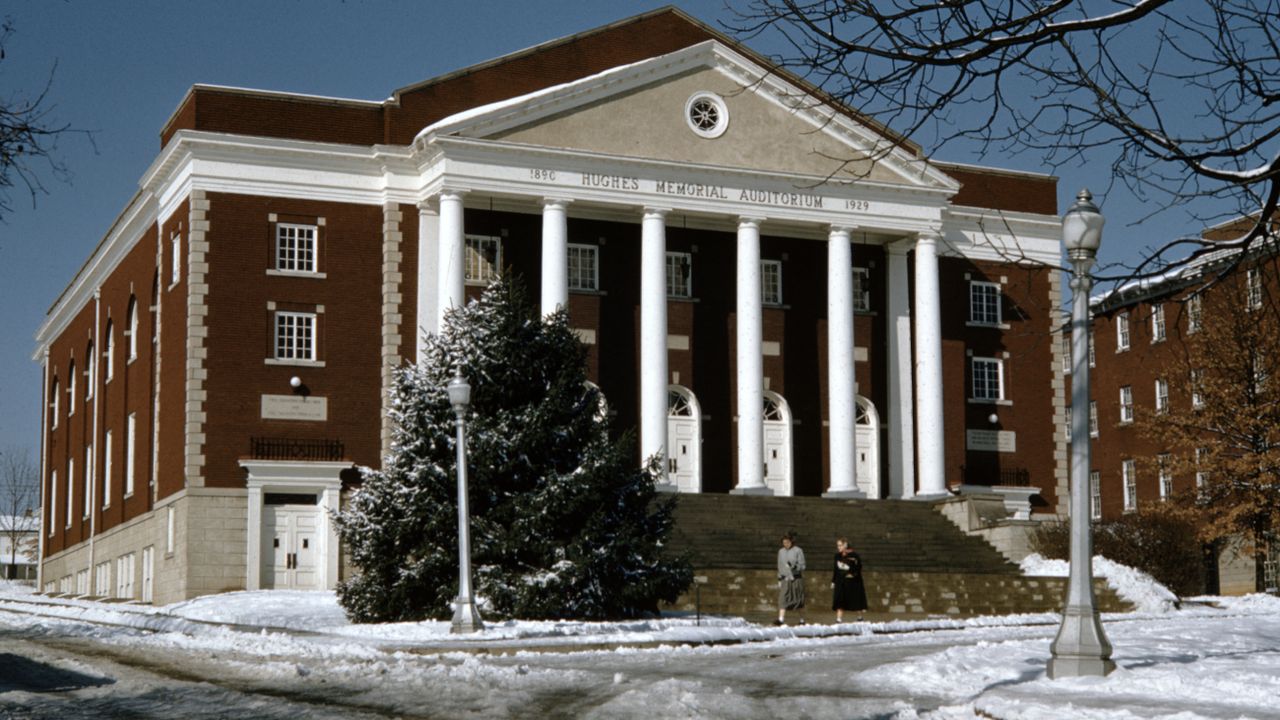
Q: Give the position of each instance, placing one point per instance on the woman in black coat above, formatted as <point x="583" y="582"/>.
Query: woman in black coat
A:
<point x="846" y="582"/>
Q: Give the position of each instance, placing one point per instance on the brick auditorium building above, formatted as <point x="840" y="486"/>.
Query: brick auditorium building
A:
<point x="782" y="296"/>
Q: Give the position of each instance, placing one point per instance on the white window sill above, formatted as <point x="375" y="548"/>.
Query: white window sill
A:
<point x="989" y="401"/>
<point x="128" y="495"/>
<point x="1125" y="422"/>
<point x="994" y="326"/>
<point x="587" y="291"/>
<point x="298" y="363"/>
<point x="296" y="273"/>
<point x="1157" y="341"/>
<point x="1122" y="349"/>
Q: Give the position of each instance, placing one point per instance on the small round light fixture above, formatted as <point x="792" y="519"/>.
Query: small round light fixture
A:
<point x="993" y="418"/>
<point x="706" y="114"/>
<point x="295" y="382"/>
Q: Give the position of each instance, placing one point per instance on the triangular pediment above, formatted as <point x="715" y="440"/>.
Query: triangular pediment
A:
<point x="641" y="111"/>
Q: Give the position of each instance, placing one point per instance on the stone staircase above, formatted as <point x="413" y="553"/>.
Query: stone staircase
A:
<point x="917" y="563"/>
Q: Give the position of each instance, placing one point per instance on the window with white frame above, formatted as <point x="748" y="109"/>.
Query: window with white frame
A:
<point x="1164" y="468"/>
<point x="124" y="576"/>
<point x="1071" y="419"/>
<point x="1126" y="404"/>
<point x="1093" y="418"/>
<point x="130" y="457"/>
<point x="1122" y="332"/>
<point x="71" y="483"/>
<point x="984" y="303"/>
<point x="1092" y="357"/>
<point x="53" y="501"/>
<point x="90" y="378"/>
<point x="55" y="407"/>
<point x="988" y="383"/>
<point x="106" y="469"/>
<point x="82" y="582"/>
<point x="295" y="336"/>
<point x="1255" y="288"/>
<point x="102" y="579"/>
<point x="1162" y="395"/>
<point x="1129" y="474"/>
<point x="148" y="572"/>
<point x="1066" y="353"/>
<point x="484" y="259"/>
<point x="295" y="248"/>
<point x="771" y="282"/>
<point x="861" y="289"/>
<point x="108" y="356"/>
<point x="170" y="529"/>
<point x="679" y="275"/>
<point x="1195" y="314"/>
<point x="175" y="271"/>
<point x="132" y="332"/>
<point x="88" y="477"/>
<point x="1202" y="474"/>
<point x="1157" y="323"/>
<point x="71" y="388"/>
<point x="1197" y="400"/>
<point x="584" y="267"/>
<point x="1095" y="495"/>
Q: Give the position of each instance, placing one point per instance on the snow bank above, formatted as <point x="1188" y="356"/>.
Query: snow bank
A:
<point x="1134" y="586"/>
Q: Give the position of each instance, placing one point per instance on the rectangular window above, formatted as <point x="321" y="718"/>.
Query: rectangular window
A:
<point x="71" y="483"/>
<point x="1122" y="332"/>
<point x="175" y="272"/>
<point x="55" y="407"/>
<point x="170" y="532"/>
<point x="771" y="282"/>
<point x="1095" y="495"/>
<point x="1126" y="404"/>
<point x="987" y="381"/>
<point x="71" y="390"/>
<point x="1157" y="323"/>
<point x="1202" y="476"/>
<point x="1197" y="401"/>
<point x="1093" y="418"/>
<point x="584" y="267"/>
<point x="130" y="442"/>
<point x="88" y="477"/>
<point x="1071" y="419"/>
<point x="1092" y="362"/>
<point x="484" y="259"/>
<point x="82" y="582"/>
<point x="1163" y="463"/>
<point x="679" y="275"/>
<point x="148" y="572"/>
<point x="1162" y="395"/>
<point x="1066" y="353"/>
<point x="125" y="567"/>
<point x="102" y="579"/>
<point x="861" y="289"/>
<point x="984" y="303"/>
<point x="53" y="501"/>
<point x="108" y="357"/>
<point x="1129" y="474"/>
<point x="90" y="378"/>
<point x="1195" y="314"/>
<point x="1255" y="288"/>
<point x="295" y="248"/>
<point x="106" y="470"/>
<point x="295" y="336"/>
<point x="132" y="332"/>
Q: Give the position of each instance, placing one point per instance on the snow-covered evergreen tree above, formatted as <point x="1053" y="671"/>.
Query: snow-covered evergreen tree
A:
<point x="563" y="523"/>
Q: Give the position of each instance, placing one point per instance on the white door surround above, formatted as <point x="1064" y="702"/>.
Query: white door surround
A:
<point x="290" y="546"/>
<point x="867" y="444"/>
<point x="294" y="477"/>
<point x="684" y="440"/>
<point x="777" y="444"/>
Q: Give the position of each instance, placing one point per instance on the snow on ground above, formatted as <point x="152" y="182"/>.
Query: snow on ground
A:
<point x="1130" y="584"/>
<point x="1219" y="658"/>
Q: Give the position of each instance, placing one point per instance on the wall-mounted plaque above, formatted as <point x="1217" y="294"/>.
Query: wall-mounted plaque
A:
<point x="1005" y="441"/>
<point x="294" y="407"/>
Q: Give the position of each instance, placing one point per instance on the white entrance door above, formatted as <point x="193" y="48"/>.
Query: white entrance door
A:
<point x="684" y="440"/>
<point x="777" y="444"/>
<point x="290" y="555"/>
<point x="867" y="449"/>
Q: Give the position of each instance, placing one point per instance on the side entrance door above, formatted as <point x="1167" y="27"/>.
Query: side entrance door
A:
<point x="290" y="555"/>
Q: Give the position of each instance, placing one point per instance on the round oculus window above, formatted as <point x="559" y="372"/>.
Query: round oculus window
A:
<point x="706" y="114"/>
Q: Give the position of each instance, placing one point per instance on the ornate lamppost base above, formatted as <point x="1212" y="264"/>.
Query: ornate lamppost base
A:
<point x="466" y="619"/>
<point x="1081" y="648"/>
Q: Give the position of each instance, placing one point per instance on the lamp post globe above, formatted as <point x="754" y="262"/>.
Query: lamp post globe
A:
<point x="466" y="618"/>
<point x="1081" y="647"/>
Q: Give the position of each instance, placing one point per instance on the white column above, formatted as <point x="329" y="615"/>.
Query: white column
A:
<point x="653" y="338"/>
<point x="842" y="406"/>
<point x="428" y="274"/>
<point x="555" y="256"/>
<point x="45" y="505"/>
<point x="253" y="555"/>
<point x="750" y="377"/>
<point x="451" y="277"/>
<point x="928" y="322"/>
<point x="901" y="415"/>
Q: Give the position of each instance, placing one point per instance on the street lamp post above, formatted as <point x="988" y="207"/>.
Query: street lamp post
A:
<point x="466" y="619"/>
<point x="1081" y="647"/>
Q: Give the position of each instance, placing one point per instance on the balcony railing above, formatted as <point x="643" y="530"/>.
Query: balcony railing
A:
<point x="1009" y="477"/>
<point x="267" y="448"/>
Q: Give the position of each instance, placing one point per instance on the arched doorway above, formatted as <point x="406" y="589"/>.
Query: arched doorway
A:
<point x="777" y="444"/>
<point x="867" y="448"/>
<point x="684" y="439"/>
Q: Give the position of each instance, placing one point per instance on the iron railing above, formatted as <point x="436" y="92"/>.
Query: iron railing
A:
<point x="268" y="448"/>
<point x="1009" y="477"/>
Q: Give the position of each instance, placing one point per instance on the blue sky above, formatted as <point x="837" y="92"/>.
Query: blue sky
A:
<point x="122" y="68"/>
